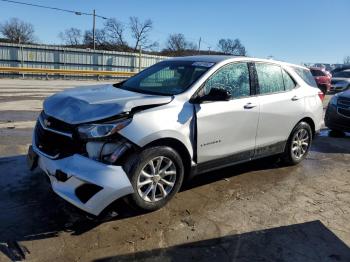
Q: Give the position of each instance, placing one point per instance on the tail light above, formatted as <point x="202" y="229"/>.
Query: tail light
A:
<point x="321" y="95"/>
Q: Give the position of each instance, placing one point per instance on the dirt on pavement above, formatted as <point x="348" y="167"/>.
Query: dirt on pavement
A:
<point x="259" y="211"/>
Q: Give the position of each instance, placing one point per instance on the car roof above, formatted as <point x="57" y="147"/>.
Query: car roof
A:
<point x="221" y="58"/>
<point x="205" y="58"/>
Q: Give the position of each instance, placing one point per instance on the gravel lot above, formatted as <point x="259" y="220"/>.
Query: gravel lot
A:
<point x="258" y="211"/>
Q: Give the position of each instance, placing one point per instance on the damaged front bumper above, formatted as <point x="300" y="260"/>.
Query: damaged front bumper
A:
<point x="88" y="184"/>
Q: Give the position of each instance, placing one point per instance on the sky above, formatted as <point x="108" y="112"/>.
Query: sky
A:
<point x="296" y="31"/>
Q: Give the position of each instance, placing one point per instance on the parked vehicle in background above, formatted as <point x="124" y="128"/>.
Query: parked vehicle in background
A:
<point x="341" y="81"/>
<point x="140" y="138"/>
<point x="322" y="78"/>
<point x="337" y="116"/>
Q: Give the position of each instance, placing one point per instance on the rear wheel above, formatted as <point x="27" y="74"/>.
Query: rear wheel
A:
<point x="156" y="175"/>
<point x="298" y="144"/>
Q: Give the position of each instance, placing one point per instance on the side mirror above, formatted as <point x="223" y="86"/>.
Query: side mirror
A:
<point x="216" y="94"/>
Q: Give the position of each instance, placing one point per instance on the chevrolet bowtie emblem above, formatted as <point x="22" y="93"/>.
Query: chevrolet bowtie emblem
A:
<point x="47" y="122"/>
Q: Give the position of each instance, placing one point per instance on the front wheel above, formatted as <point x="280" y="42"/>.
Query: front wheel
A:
<point x="298" y="144"/>
<point x="156" y="175"/>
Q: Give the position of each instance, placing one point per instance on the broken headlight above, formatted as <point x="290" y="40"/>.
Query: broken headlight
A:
<point x="102" y="130"/>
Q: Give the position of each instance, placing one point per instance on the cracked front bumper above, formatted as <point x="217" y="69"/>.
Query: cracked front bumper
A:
<point x="112" y="181"/>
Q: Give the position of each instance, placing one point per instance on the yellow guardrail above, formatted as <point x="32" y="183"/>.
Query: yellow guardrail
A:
<point x="23" y="70"/>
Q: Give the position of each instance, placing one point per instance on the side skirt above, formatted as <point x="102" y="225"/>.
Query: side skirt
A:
<point x="239" y="158"/>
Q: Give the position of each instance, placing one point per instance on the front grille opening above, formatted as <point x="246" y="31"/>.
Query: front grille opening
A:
<point x="344" y="102"/>
<point x="87" y="191"/>
<point x="344" y="112"/>
<point x="57" y="124"/>
<point x="55" y="144"/>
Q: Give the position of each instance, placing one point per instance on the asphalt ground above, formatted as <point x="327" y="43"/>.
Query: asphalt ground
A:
<point x="258" y="211"/>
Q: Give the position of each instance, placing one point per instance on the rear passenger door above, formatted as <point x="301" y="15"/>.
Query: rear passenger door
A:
<point x="281" y="107"/>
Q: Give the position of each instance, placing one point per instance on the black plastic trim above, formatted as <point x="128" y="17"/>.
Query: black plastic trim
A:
<point x="238" y="158"/>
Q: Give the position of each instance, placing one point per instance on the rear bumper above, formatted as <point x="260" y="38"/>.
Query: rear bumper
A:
<point x="111" y="181"/>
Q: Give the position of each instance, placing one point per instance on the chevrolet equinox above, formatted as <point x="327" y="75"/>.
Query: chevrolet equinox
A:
<point x="140" y="138"/>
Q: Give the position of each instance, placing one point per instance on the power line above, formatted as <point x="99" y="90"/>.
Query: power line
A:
<point x="53" y="8"/>
<point x="84" y="13"/>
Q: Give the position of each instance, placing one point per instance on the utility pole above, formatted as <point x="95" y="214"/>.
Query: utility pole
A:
<point x="199" y="45"/>
<point x="94" y="28"/>
<point x="209" y="49"/>
<point x="140" y="58"/>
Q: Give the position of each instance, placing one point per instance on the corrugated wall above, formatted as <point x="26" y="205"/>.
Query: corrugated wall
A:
<point x="34" y="56"/>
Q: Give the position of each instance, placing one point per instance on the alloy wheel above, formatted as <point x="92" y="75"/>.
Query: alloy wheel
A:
<point x="300" y="143"/>
<point x="156" y="179"/>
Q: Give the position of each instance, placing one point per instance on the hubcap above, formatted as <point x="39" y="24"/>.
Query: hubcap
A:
<point x="300" y="143"/>
<point x="156" y="179"/>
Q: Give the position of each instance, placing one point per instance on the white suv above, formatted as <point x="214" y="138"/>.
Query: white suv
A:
<point x="140" y="138"/>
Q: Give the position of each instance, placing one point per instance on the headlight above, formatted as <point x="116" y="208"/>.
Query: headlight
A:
<point x="334" y="100"/>
<point x="102" y="130"/>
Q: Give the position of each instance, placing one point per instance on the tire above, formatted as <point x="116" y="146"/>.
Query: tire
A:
<point x="154" y="187"/>
<point x="296" y="149"/>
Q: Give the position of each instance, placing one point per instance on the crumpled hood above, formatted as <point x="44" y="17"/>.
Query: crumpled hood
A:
<point x="92" y="103"/>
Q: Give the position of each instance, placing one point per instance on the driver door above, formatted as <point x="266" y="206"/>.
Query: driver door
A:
<point x="226" y="130"/>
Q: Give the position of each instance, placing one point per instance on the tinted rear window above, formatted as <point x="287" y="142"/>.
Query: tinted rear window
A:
<point x="317" y="72"/>
<point x="306" y="75"/>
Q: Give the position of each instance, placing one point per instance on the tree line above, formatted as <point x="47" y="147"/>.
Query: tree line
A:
<point x="112" y="36"/>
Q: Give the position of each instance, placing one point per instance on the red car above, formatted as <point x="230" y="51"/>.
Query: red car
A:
<point x="322" y="78"/>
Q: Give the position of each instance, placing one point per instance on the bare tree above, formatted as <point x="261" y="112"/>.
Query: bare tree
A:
<point x="115" y="32"/>
<point x="140" y="31"/>
<point x="178" y="42"/>
<point x="71" y="36"/>
<point x="231" y="47"/>
<point x="100" y="38"/>
<point x="347" y="60"/>
<point x="18" y="31"/>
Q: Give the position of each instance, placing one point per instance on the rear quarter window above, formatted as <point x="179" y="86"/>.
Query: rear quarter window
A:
<point x="306" y="75"/>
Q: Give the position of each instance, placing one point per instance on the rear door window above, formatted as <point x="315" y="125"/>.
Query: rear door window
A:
<point x="289" y="83"/>
<point x="270" y="78"/>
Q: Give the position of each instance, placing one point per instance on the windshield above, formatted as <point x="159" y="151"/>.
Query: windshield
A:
<point x="166" y="78"/>
<point x="343" y="74"/>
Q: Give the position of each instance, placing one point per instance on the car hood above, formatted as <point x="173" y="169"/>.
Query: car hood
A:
<point x="92" y="103"/>
<point x="345" y="94"/>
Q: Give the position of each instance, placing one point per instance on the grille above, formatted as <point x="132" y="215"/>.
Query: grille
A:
<point x="344" y="106"/>
<point x="57" y="124"/>
<point x="55" y="145"/>
<point x="344" y="112"/>
<point x="344" y="102"/>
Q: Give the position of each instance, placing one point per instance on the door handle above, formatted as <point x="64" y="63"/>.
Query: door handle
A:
<point x="295" y="98"/>
<point x="249" y="106"/>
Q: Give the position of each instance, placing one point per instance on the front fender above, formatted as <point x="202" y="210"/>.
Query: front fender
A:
<point x="174" y="120"/>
